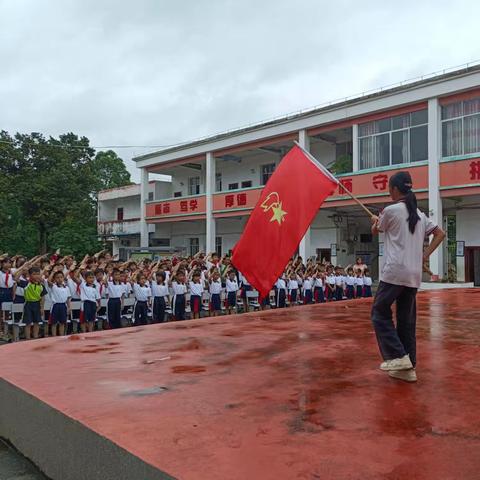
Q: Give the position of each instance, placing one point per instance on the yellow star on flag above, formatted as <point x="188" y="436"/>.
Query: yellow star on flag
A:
<point x="278" y="213"/>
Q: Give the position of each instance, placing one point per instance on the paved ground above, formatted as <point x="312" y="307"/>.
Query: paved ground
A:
<point x="274" y="395"/>
<point x="14" y="467"/>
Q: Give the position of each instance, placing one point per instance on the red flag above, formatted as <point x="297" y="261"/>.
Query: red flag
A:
<point x="285" y="210"/>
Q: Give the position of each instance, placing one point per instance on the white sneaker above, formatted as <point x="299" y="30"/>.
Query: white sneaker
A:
<point x="395" y="364"/>
<point x="405" y="375"/>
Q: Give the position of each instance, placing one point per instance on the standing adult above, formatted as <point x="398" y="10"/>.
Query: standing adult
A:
<point x="405" y="229"/>
<point x="359" y="265"/>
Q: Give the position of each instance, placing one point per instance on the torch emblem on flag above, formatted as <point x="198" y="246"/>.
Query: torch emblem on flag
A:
<point x="273" y="203"/>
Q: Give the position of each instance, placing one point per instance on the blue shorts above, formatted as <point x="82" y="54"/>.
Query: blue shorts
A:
<point x="58" y="314"/>
<point x="215" y="302"/>
<point x="32" y="313"/>
<point x="5" y="295"/>
<point x="232" y="299"/>
<point x="89" y="311"/>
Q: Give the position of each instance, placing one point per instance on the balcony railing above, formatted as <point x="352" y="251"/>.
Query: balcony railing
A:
<point x="121" y="227"/>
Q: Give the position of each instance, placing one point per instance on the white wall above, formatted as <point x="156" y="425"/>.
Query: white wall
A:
<point x="248" y="169"/>
<point x="467" y="231"/>
<point x="107" y="210"/>
<point x="324" y="152"/>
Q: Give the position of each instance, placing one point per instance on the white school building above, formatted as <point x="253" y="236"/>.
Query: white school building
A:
<point x="430" y="127"/>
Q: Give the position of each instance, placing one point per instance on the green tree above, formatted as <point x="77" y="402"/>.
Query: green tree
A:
<point x="50" y="189"/>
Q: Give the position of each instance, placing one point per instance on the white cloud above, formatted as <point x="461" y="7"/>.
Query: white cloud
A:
<point x="155" y="72"/>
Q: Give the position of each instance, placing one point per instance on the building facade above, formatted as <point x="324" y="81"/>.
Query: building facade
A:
<point x="429" y="127"/>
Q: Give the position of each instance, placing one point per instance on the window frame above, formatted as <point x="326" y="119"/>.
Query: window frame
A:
<point x="191" y="245"/>
<point x="262" y="173"/>
<point x="218" y="246"/>
<point x="194" y="185"/>
<point x="460" y="117"/>
<point x="390" y="133"/>
<point x="120" y="214"/>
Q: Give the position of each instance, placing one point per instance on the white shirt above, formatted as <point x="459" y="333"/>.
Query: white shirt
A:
<point x="293" y="284"/>
<point x="6" y="279"/>
<point x="115" y="290"/>
<point x="215" y="287"/>
<point x="359" y="281"/>
<point x="89" y="293"/>
<point x="74" y="288"/>
<point x="367" y="281"/>
<point x="281" y="284"/>
<point x="127" y="288"/>
<point x="307" y="283"/>
<point x="350" y="280"/>
<point x="318" y="282"/>
<point x="231" y="285"/>
<point x="196" y="288"/>
<point x="403" y="251"/>
<point x="338" y="280"/>
<point x="19" y="291"/>
<point x="59" y="294"/>
<point x="243" y="279"/>
<point x="102" y="289"/>
<point x="142" y="294"/>
<point x="179" y="288"/>
<point x="159" y="290"/>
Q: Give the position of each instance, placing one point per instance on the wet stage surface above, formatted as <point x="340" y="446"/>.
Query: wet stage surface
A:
<point x="290" y="394"/>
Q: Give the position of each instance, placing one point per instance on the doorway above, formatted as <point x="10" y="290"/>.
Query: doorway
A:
<point x="472" y="265"/>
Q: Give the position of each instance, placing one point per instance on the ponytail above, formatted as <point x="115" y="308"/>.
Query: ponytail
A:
<point x="403" y="182"/>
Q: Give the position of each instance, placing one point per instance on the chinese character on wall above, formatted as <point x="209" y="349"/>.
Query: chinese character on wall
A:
<point x="475" y="170"/>
<point x="347" y="183"/>
<point x="229" y="201"/>
<point x="380" y="181"/>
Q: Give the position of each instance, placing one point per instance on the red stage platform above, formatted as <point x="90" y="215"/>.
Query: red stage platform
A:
<point x="290" y="394"/>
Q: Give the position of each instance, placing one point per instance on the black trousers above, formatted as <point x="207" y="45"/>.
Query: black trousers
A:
<point x="140" y="313"/>
<point x="158" y="311"/>
<point x="114" y="307"/>
<point x="395" y="342"/>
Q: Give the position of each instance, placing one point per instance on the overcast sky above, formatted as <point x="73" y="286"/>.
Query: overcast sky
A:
<point x="152" y="72"/>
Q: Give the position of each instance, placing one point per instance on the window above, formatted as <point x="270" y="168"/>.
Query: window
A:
<point x="120" y="214"/>
<point x="267" y="171"/>
<point x="194" y="186"/>
<point x="159" y="242"/>
<point x="150" y="196"/>
<point x="194" y="246"/>
<point x="247" y="184"/>
<point x="177" y="194"/>
<point x="218" y="246"/>
<point x="461" y="128"/>
<point x="218" y="182"/>
<point x="394" y="140"/>
<point x="233" y="186"/>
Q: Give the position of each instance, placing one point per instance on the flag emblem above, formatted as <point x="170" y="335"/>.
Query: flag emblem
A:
<point x="272" y="203"/>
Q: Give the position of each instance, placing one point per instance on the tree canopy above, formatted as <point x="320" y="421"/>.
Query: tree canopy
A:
<point x="49" y="192"/>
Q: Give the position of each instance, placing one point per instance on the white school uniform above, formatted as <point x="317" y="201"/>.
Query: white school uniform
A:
<point x="196" y="288"/>
<point x="318" y="283"/>
<point x="231" y="285"/>
<point x="243" y="280"/>
<point x="331" y="279"/>
<point x="179" y="288"/>
<point x="367" y="281"/>
<point x="307" y="284"/>
<point x="115" y="290"/>
<point x="159" y="290"/>
<point x="350" y="280"/>
<point x="74" y="288"/>
<point x="127" y="289"/>
<point x="215" y="287"/>
<point x="6" y="279"/>
<point x="142" y="294"/>
<point x="59" y="294"/>
<point x="89" y="293"/>
<point x="281" y="284"/>
<point x="339" y="280"/>
<point x="359" y="281"/>
<point x="292" y="285"/>
<point x="102" y="289"/>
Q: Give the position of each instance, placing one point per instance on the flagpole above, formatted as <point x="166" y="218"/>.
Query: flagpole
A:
<point x="324" y="169"/>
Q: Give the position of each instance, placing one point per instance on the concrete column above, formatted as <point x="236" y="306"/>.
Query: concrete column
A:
<point x="355" y="157"/>
<point x="209" y="190"/>
<point x="143" y="199"/>
<point x="305" y="248"/>
<point x="434" y="200"/>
